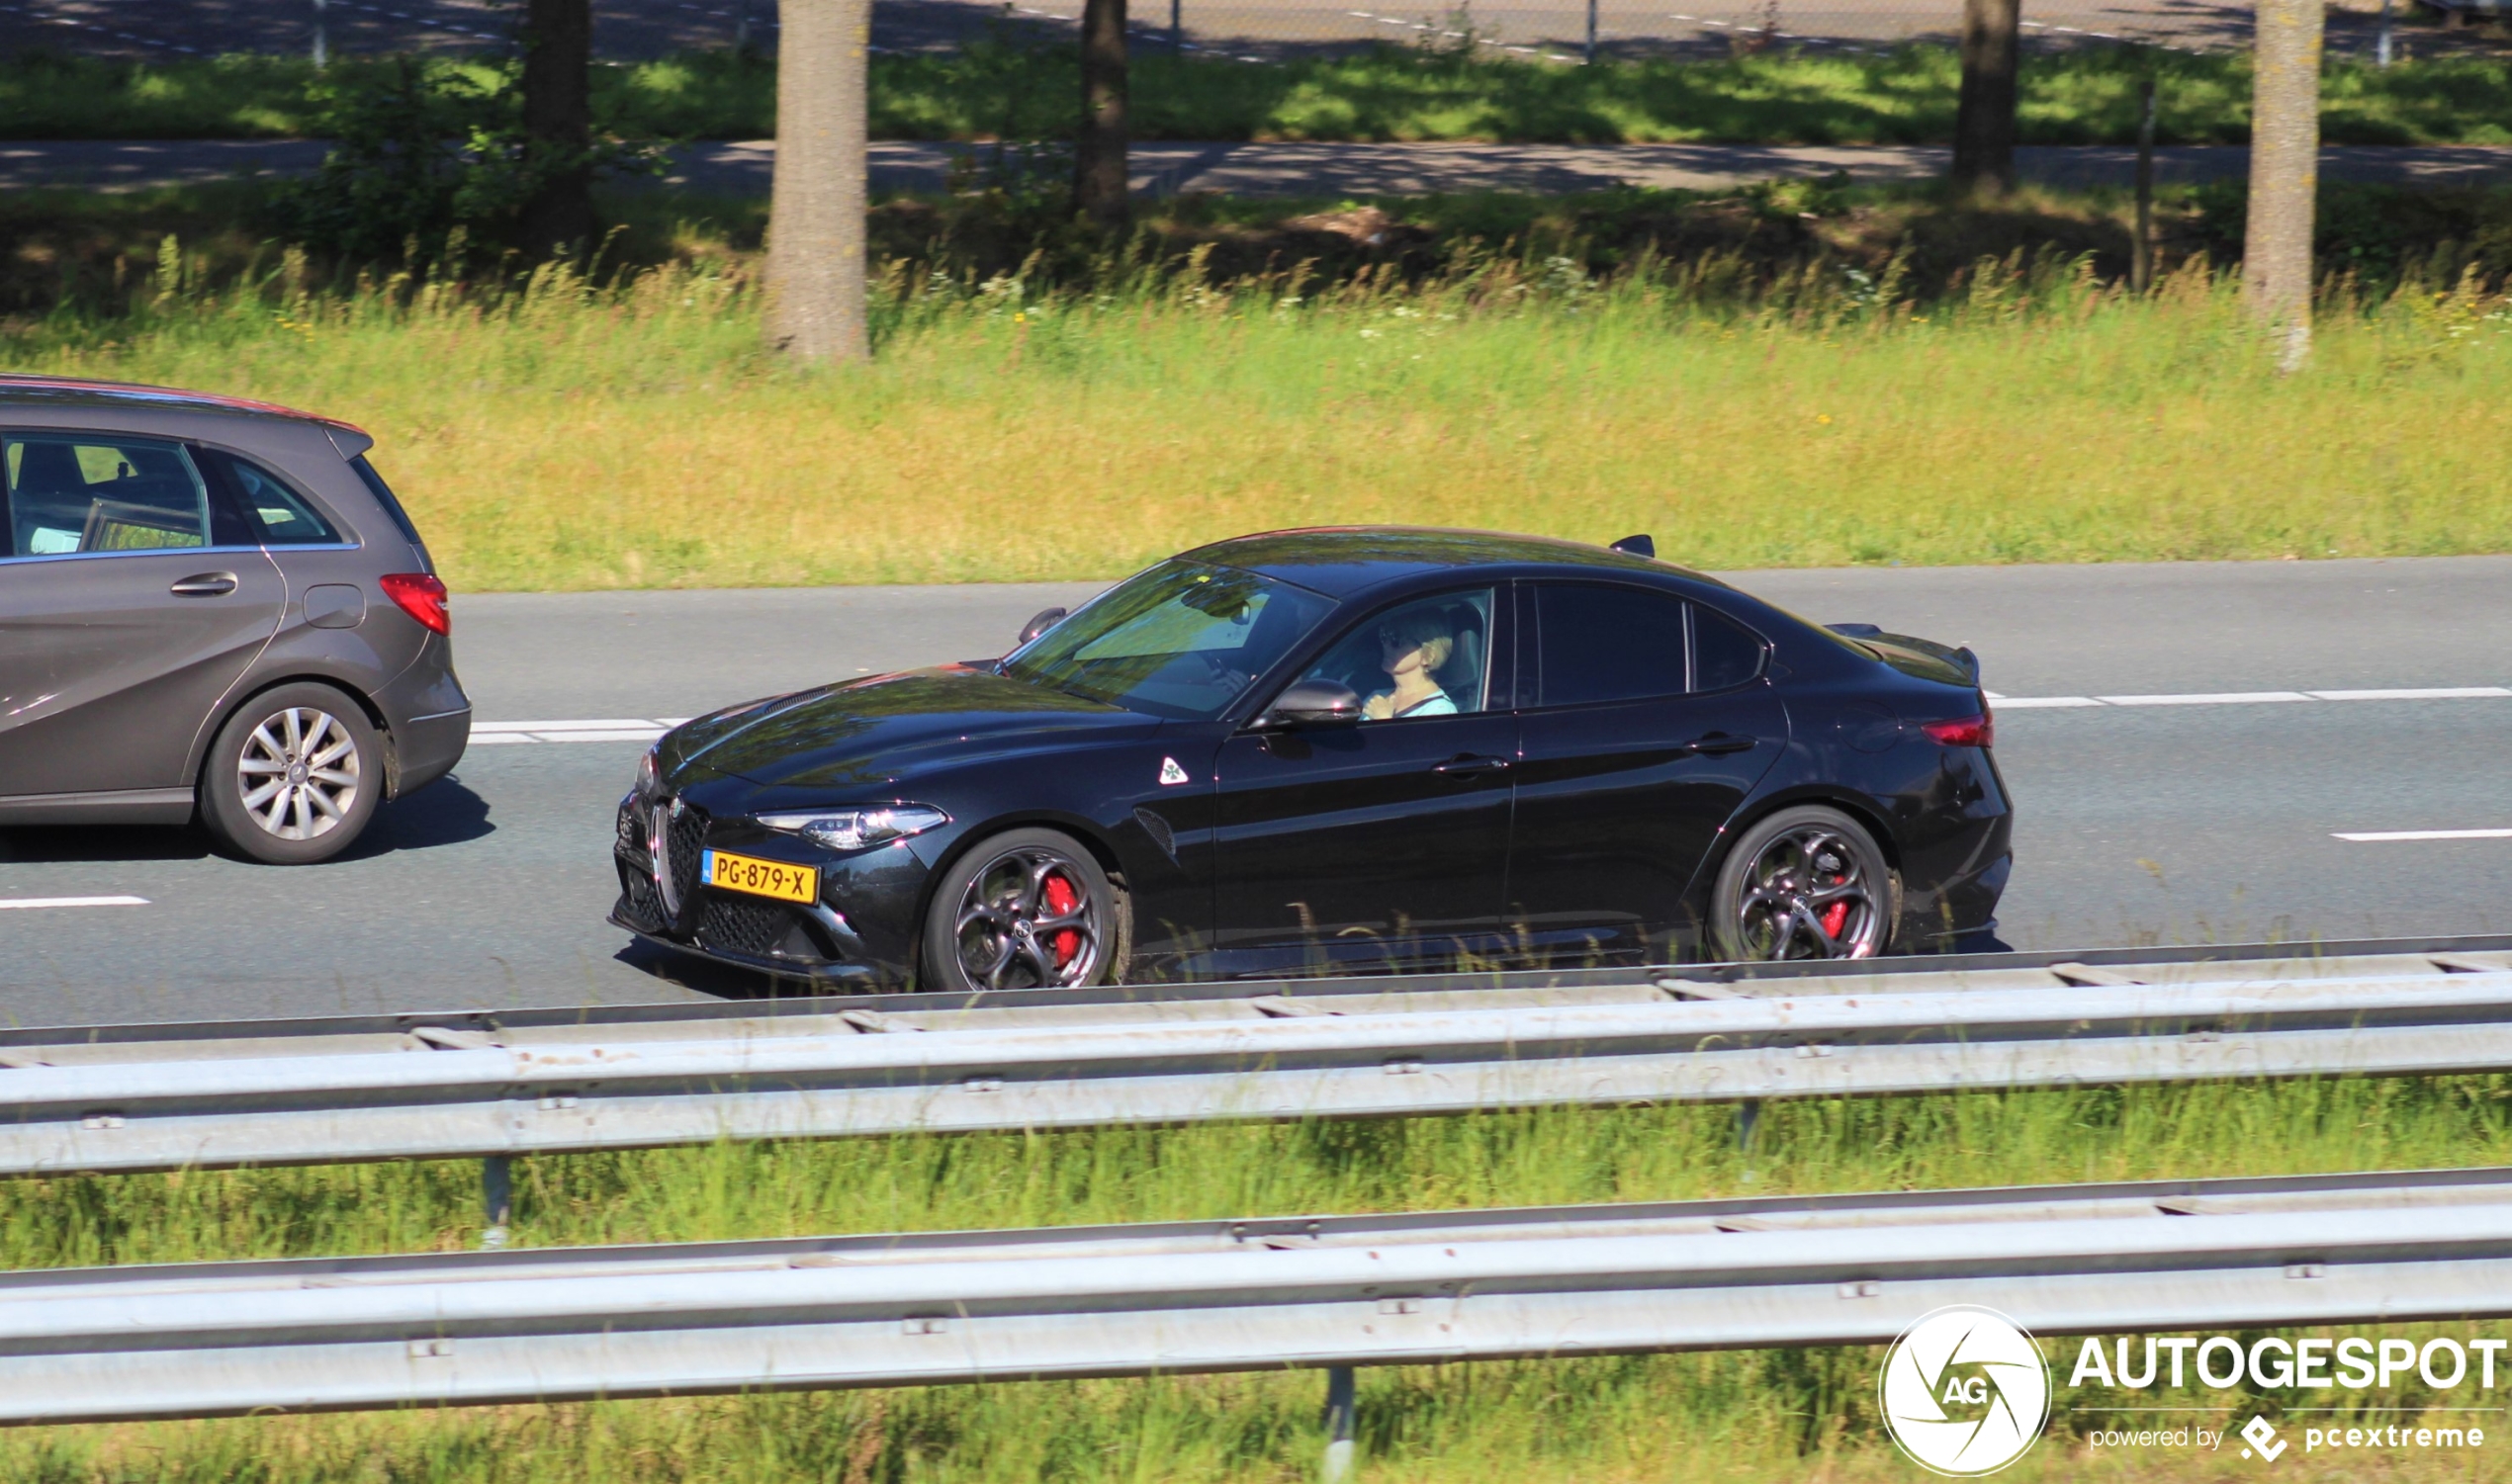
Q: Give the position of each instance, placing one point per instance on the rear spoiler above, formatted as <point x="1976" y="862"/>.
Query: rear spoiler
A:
<point x="1959" y="657"/>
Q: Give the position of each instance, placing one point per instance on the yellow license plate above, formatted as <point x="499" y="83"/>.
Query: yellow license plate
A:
<point x="761" y="877"/>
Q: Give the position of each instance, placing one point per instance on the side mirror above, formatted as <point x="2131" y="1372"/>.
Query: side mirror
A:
<point x="1313" y="703"/>
<point x="1039" y="622"/>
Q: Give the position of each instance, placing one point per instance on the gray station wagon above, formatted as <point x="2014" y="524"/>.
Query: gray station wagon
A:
<point x="212" y="607"/>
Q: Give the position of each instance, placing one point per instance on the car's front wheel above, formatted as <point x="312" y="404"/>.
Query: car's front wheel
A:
<point x="293" y="776"/>
<point x="1804" y="883"/>
<point x="1025" y="910"/>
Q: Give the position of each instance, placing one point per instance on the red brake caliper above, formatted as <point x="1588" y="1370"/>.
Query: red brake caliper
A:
<point x="1060" y="897"/>
<point x="1836" y="915"/>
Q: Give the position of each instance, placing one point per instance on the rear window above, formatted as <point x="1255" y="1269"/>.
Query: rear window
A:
<point x="383" y="494"/>
<point x="102" y="493"/>
<point x="275" y="514"/>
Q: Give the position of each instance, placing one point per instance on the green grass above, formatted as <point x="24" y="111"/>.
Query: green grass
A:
<point x="1755" y="1416"/>
<point x="2023" y="410"/>
<point x="1906" y="96"/>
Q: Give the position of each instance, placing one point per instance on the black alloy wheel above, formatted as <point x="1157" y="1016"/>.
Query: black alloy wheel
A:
<point x="293" y="778"/>
<point x="1026" y="909"/>
<point x="1805" y="883"/>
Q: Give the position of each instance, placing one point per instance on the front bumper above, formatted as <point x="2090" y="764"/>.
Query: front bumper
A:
<point x="860" y="930"/>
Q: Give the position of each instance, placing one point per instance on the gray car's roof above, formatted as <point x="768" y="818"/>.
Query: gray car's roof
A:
<point x="72" y="392"/>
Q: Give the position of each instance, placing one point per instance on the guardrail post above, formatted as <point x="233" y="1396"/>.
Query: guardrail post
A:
<point x="1339" y="1410"/>
<point x="496" y="1183"/>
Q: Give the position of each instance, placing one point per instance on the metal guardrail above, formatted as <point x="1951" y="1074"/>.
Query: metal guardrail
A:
<point x="1345" y="1048"/>
<point x="223" y="1338"/>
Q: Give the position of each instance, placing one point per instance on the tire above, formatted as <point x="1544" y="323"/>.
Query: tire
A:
<point x="1025" y="910"/>
<point x="292" y="797"/>
<point x="1804" y="883"/>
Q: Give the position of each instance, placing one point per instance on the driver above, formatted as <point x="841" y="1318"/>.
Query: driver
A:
<point x="1412" y="648"/>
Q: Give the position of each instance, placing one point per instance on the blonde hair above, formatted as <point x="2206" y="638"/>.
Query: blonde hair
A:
<point x="1428" y="633"/>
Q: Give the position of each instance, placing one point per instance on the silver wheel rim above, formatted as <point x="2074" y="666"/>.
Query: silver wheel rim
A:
<point x="300" y="774"/>
<point x="1016" y="930"/>
<point x="1807" y="894"/>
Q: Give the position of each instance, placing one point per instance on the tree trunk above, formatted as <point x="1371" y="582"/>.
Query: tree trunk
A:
<point x="815" y="223"/>
<point x="1099" y="150"/>
<point x="1984" y="117"/>
<point x="558" y="126"/>
<point x="2284" y="174"/>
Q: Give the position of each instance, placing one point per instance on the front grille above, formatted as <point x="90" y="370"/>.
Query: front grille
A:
<point x="632" y="830"/>
<point x="736" y="925"/>
<point x="638" y="902"/>
<point x="684" y="842"/>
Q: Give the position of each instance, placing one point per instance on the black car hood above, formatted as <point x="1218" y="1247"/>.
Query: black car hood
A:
<point x="870" y="733"/>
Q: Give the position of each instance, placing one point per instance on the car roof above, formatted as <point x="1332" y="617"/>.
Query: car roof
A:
<point x="76" y="391"/>
<point x="1341" y="561"/>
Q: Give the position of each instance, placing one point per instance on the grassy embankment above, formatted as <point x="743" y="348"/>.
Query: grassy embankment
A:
<point x="642" y="438"/>
<point x="1902" y="97"/>
<point x="1772" y="1416"/>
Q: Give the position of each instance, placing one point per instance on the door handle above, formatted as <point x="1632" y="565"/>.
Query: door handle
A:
<point x="1468" y="764"/>
<point x="1718" y="742"/>
<point x="205" y="585"/>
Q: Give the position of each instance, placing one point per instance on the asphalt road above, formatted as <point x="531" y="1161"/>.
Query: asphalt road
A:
<point x="1171" y="167"/>
<point x="2139" y="823"/>
<point x="1255" y="31"/>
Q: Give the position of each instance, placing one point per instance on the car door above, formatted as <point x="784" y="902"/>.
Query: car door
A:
<point x="1383" y="842"/>
<point x="1648" y="718"/>
<point x="131" y="603"/>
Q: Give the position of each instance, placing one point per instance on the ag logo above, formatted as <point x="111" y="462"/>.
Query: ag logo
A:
<point x="1965" y="1391"/>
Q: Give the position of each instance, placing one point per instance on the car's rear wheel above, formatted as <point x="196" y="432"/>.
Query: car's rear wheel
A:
<point x="293" y="776"/>
<point x="1805" y="883"/>
<point x="1025" y="910"/>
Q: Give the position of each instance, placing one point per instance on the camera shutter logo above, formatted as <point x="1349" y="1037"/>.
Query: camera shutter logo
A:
<point x="1965" y="1391"/>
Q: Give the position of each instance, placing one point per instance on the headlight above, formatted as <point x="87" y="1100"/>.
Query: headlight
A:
<point x="649" y="774"/>
<point x="855" y="828"/>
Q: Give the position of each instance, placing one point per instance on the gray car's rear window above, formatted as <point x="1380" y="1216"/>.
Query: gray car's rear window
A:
<point x="383" y="494"/>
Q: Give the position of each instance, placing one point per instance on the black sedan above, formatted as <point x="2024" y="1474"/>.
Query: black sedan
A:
<point x="1334" y="752"/>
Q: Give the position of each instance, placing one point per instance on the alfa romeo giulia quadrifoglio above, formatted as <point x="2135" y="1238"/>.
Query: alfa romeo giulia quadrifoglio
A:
<point x="1336" y="751"/>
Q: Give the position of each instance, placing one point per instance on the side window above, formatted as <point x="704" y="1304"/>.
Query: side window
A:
<point x="1600" y="642"/>
<point x="274" y="514"/>
<point x="102" y="494"/>
<point x="1432" y="657"/>
<point x="1724" y="653"/>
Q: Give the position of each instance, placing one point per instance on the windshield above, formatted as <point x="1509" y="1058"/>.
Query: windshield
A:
<point x="1180" y="640"/>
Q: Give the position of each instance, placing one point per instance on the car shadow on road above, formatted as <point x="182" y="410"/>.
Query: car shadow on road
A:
<point x="443" y="813"/>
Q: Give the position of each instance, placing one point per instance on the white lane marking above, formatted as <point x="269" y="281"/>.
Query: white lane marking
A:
<point x="2208" y="698"/>
<point x="605" y="724"/>
<point x="9" y="901"/>
<point x="2040" y="703"/>
<point x="2428" y="834"/>
<point x="2433" y="693"/>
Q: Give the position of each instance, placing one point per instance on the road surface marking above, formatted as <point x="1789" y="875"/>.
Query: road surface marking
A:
<point x="2429" y="834"/>
<point x="9" y="901"/>
<point x="2208" y="698"/>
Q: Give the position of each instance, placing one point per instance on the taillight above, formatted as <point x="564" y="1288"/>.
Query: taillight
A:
<point x="1964" y="732"/>
<point x="421" y="596"/>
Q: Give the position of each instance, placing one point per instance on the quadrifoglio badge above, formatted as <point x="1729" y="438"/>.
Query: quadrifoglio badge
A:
<point x="1965" y="1391"/>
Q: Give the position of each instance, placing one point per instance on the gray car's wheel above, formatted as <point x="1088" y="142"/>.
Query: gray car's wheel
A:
<point x="1805" y="883"/>
<point x="1025" y="910"/>
<point x="293" y="776"/>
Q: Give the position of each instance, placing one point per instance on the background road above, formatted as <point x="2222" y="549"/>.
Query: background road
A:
<point x="2139" y="823"/>
<point x="1172" y="167"/>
